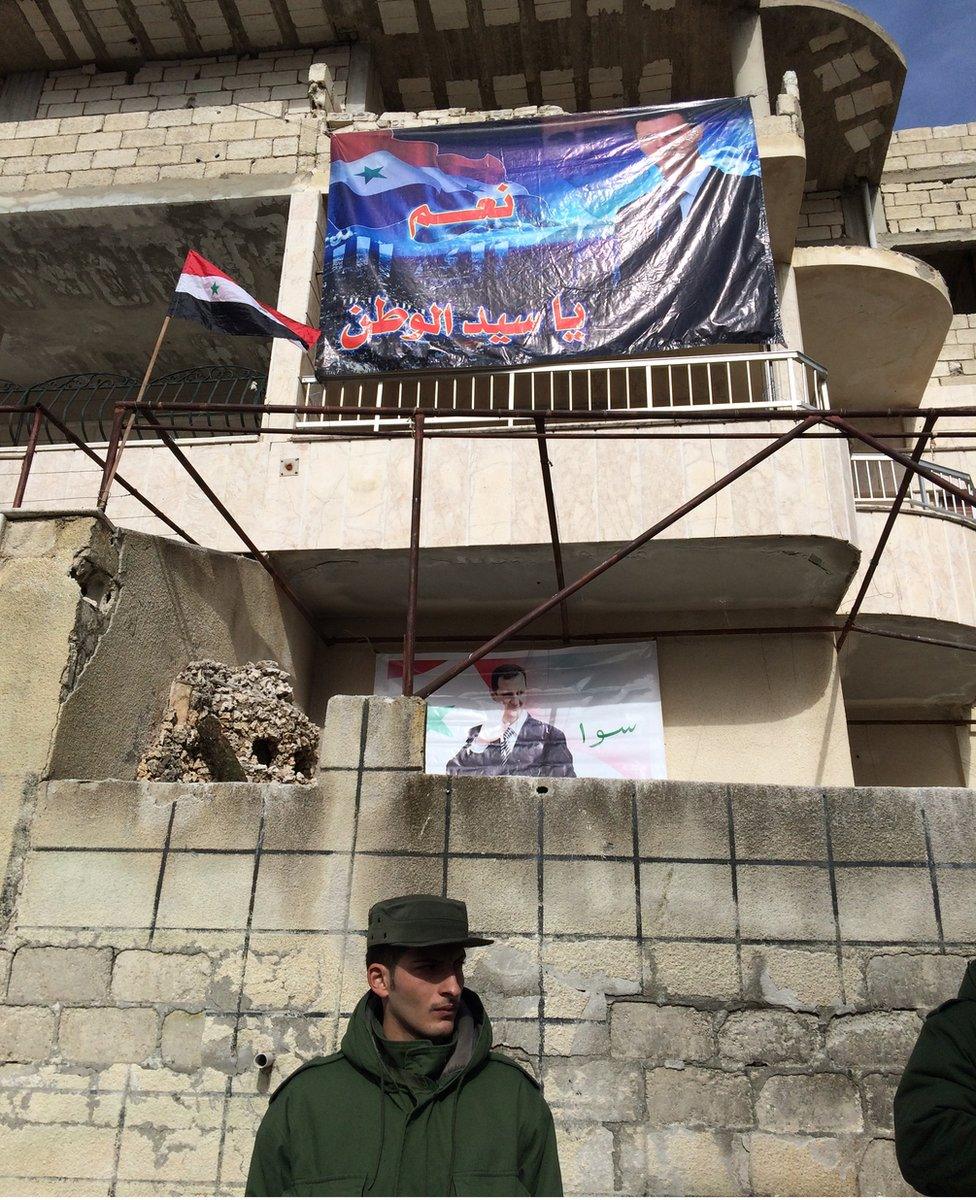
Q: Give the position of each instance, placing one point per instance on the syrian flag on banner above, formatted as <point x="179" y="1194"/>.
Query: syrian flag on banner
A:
<point x="205" y="294"/>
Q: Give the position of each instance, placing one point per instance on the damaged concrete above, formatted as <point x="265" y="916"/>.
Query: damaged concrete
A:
<point x="228" y="724"/>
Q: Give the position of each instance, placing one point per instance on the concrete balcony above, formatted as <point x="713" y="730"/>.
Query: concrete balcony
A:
<point x="876" y="319"/>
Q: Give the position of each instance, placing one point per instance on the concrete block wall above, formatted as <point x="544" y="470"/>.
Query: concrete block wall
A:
<point x="957" y="359"/>
<point x="821" y="218"/>
<point x="197" y="119"/>
<point x="929" y="181"/>
<point x="718" y="985"/>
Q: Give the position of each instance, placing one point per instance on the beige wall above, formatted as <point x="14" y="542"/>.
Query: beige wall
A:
<point x="927" y="571"/>
<point x="86" y="675"/>
<point x="356" y="495"/>
<point x="763" y="709"/>
<point x="911" y="755"/>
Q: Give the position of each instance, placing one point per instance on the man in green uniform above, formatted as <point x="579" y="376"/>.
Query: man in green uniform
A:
<point x="935" y="1105"/>
<point x="415" y="1103"/>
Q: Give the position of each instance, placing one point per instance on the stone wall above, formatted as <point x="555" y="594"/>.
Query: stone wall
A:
<point x="717" y="985"/>
<point x="821" y="219"/>
<point x="957" y="359"/>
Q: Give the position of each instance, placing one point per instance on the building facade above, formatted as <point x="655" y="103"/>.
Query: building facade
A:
<point x="717" y="978"/>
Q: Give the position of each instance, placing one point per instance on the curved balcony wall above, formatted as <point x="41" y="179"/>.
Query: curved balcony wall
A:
<point x="876" y="319"/>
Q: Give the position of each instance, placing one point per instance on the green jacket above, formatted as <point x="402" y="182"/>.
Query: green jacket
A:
<point x="407" y="1119"/>
<point x="935" y="1105"/>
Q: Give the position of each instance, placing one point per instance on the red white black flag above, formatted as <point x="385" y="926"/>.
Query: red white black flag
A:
<point x="205" y="294"/>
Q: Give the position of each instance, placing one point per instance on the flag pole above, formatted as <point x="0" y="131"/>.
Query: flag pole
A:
<point x="114" y="454"/>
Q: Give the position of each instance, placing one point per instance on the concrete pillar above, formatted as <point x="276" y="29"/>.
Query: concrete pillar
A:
<point x="789" y="306"/>
<point x="749" y="61"/>
<point x="298" y="297"/>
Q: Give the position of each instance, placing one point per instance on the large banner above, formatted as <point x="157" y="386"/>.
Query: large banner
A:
<point x="592" y="712"/>
<point x="517" y="242"/>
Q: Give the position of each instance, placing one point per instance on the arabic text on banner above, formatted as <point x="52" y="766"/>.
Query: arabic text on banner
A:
<point x="514" y="242"/>
<point x="588" y="712"/>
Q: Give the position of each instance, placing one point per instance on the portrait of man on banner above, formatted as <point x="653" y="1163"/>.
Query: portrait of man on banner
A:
<point x="516" y="242"/>
<point x="581" y="712"/>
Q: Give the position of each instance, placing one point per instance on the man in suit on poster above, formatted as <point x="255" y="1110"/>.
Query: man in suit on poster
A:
<point x="516" y="743"/>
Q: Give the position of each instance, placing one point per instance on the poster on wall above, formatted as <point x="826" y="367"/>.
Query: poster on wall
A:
<point x="515" y="242"/>
<point x="591" y="712"/>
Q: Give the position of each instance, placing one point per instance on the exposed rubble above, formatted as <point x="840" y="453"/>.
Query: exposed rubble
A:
<point x="232" y="724"/>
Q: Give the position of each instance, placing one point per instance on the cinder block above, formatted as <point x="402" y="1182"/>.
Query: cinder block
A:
<point x="875" y="823"/>
<point x="102" y="1036"/>
<point x="701" y="971"/>
<point x="293" y="971"/>
<point x="791" y="978"/>
<point x="376" y="878"/>
<point x="809" y="1104"/>
<point x="341" y="744"/>
<point x="660" y="1035"/>
<point x="401" y="810"/>
<point x="686" y="820"/>
<point x="64" y="974"/>
<point x="475" y="804"/>
<point x="878" y="1096"/>
<point x="308" y="819"/>
<point x="215" y="817"/>
<point x="107" y="813"/>
<point x="872" y="1039"/>
<point x="26" y="1034"/>
<point x="395" y="732"/>
<point x="501" y="893"/>
<point x="764" y="1036"/>
<point x="78" y="889"/>
<point x="589" y="897"/>
<point x="205" y="891"/>
<point x="143" y="975"/>
<point x="62" y="1152"/>
<point x="781" y="823"/>
<point x="785" y="902"/>
<point x="867" y="913"/>
<point x="922" y="981"/>
<point x="302" y="892"/>
<point x="580" y="975"/>
<point x="687" y="900"/>
<point x="587" y="816"/>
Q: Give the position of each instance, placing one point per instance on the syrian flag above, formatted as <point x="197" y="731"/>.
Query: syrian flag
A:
<point x="205" y="294"/>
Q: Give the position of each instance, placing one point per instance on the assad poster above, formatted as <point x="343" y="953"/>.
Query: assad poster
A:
<point x="591" y="712"/>
<point x="516" y="242"/>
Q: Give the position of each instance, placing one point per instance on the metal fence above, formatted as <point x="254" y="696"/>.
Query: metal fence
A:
<point x="877" y="480"/>
<point x="86" y="403"/>
<point x="690" y="382"/>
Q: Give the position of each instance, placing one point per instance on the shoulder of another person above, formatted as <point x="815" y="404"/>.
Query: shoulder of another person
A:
<point x="310" y="1065"/>
<point x="957" y="1004"/>
<point x="496" y="1057"/>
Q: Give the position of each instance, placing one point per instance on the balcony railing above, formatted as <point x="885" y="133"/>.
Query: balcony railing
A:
<point x="692" y="382"/>
<point x="86" y="403"/>
<point x="877" y="480"/>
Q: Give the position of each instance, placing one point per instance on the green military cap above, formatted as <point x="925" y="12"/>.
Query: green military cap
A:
<point x="420" y="921"/>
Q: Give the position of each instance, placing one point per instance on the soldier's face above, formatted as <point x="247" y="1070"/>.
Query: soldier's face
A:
<point x="422" y="993"/>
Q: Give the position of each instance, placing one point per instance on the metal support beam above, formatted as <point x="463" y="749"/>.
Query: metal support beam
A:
<point x="557" y="550"/>
<point x="28" y="459"/>
<point x="642" y="540"/>
<point x="228" y="517"/>
<point x="889" y="525"/>
<point x="410" y="635"/>
<point x="909" y="464"/>
<point x="133" y="492"/>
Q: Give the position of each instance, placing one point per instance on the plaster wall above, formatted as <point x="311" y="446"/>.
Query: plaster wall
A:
<point x="717" y="985"/>
<point x="356" y="495"/>
<point x="911" y="756"/>
<point x="101" y="621"/>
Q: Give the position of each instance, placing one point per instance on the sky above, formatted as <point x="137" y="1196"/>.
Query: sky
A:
<point x="938" y="38"/>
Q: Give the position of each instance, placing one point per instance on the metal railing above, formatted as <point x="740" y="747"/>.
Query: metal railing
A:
<point x="877" y="480"/>
<point x="86" y="403"/>
<point x="688" y="383"/>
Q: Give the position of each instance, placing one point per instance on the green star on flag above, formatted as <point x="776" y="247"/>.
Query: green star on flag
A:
<point x="368" y="173"/>
<point x="213" y="289"/>
<point x="435" y="720"/>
